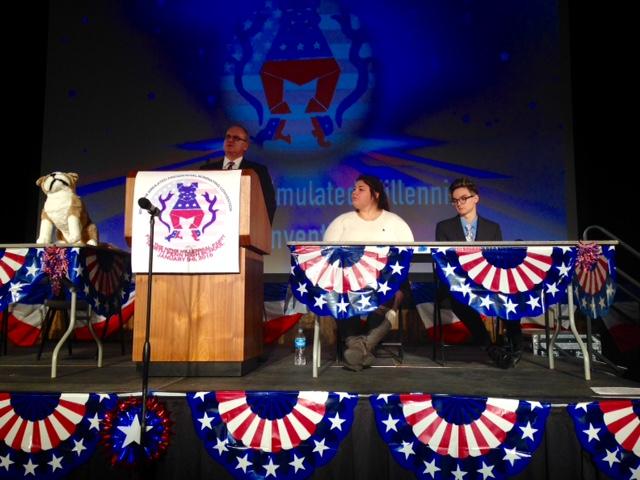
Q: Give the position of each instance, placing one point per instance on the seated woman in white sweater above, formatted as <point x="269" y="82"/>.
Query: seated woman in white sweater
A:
<point x="371" y="221"/>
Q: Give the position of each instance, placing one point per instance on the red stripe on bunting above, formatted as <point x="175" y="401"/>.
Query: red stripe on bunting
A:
<point x="613" y="405"/>
<point x="276" y="444"/>
<point x="291" y="431"/>
<point x="500" y="412"/>
<point x="36" y="440"/>
<point x="540" y="273"/>
<point x="8" y="426"/>
<point x="64" y="421"/>
<point x="308" y="425"/>
<point x="443" y="448"/>
<point x="632" y="439"/>
<point x="463" y="444"/>
<point x="495" y="283"/>
<point x="241" y="429"/>
<point x="483" y="445"/>
<point x="257" y="436"/>
<point x="493" y="428"/>
<point x="472" y="263"/>
<point x="416" y="417"/>
<point x="17" y="440"/>
<point x="483" y="273"/>
<point x="427" y="433"/>
<point x="230" y="414"/>
<point x="77" y="408"/>
<point x="621" y="422"/>
<point x="318" y="408"/>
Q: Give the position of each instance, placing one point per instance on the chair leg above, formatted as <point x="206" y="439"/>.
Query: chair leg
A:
<point x="121" y="328"/>
<point x="105" y="328"/>
<point x="44" y="331"/>
<point x="67" y="321"/>
<point x="401" y="334"/>
<point x="339" y="346"/>
<point x="5" y="330"/>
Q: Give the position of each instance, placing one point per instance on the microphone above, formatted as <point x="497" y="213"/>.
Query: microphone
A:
<point x="144" y="203"/>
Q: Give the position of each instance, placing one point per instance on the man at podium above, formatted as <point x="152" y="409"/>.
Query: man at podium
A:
<point x="236" y="144"/>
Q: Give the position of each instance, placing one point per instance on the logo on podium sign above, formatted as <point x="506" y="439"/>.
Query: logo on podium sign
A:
<point x="197" y="228"/>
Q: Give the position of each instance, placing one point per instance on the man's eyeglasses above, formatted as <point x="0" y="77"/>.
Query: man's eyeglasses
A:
<point x="235" y="138"/>
<point x="461" y="200"/>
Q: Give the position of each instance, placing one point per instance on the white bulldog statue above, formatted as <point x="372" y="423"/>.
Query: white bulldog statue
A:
<point x="65" y="210"/>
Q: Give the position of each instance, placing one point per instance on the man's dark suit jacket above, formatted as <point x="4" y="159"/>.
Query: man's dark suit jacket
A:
<point x="450" y="230"/>
<point x="265" y="181"/>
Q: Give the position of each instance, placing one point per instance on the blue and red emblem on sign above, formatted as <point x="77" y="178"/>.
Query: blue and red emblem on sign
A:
<point x="438" y="436"/>
<point x="347" y="281"/>
<point x="610" y="432"/>
<point x="272" y="434"/>
<point x="197" y="220"/>
<point x="509" y="283"/>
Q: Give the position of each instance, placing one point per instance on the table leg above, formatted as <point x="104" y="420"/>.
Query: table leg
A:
<point x="95" y="337"/>
<point x="316" y="346"/>
<point x="552" y="345"/>
<point x="574" y="330"/>
<point x="65" y="336"/>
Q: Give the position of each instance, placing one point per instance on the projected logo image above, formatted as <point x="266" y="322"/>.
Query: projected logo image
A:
<point x="298" y="74"/>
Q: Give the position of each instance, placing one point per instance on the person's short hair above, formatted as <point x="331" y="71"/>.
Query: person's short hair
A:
<point x="376" y="186"/>
<point x="241" y="127"/>
<point x="463" y="182"/>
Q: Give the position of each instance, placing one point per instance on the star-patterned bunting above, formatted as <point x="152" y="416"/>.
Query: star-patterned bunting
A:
<point x="46" y="436"/>
<point x="438" y="436"/>
<point x="507" y="282"/>
<point x="594" y="280"/>
<point x="610" y="431"/>
<point x="347" y="281"/>
<point x="280" y="435"/>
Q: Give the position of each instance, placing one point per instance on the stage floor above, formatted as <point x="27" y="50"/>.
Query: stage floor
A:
<point x="467" y="372"/>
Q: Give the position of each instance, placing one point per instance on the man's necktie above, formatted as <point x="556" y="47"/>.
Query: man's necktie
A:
<point x="469" y="233"/>
<point x="230" y="166"/>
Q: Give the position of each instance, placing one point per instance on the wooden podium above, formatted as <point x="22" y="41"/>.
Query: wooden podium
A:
<point x="207" y="324"/>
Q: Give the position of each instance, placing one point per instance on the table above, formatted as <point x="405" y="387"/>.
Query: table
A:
<point x="34" y="272"/>
<point x="509" y="280"/>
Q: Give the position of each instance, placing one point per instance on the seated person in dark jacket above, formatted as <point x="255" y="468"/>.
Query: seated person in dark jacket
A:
<point x="236" y="144"/>
<point x="467" y="225"/>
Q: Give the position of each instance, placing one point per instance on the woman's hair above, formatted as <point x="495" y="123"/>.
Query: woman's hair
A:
<point x="376" y="187"/>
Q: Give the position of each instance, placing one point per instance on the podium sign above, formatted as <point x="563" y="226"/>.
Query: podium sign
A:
<point x="197" y="229"/>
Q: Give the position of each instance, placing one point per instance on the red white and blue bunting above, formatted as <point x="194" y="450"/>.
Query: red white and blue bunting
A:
<point x="101" y="277"/>
<point x="437" y="436"/>
<point x="610" y="432"/>
<point x="509" y="283"/>
<point x="45" y="436"/>
<point x="347" y="281"/>
<point x="280" y="435"/>
<point x="594" y="279"/>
